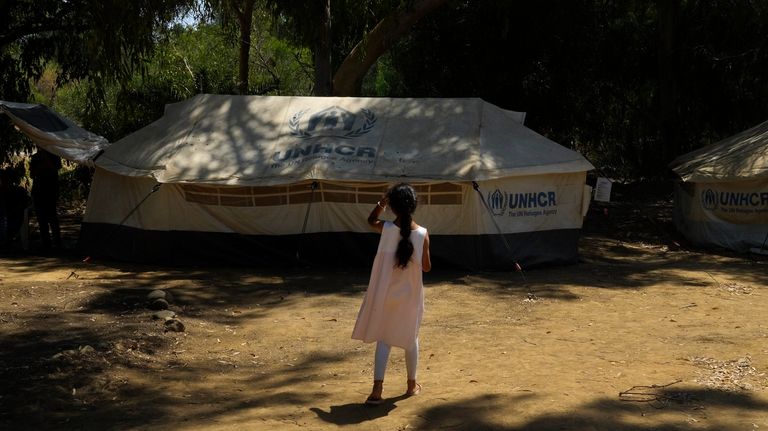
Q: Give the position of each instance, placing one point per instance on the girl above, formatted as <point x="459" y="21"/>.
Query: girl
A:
<point x="394" y="302"/>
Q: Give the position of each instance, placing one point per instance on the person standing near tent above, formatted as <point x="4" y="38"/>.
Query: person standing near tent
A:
<point x="14" y="200"/>
<point x="393" y="306"/>
<point x="44" y="170"/>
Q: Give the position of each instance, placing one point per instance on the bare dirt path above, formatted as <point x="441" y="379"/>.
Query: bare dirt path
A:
<point x="561" y="349"/>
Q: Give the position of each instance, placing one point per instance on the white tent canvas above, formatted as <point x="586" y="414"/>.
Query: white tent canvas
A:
<point x="251" y="178"/>
<point x="722" y="198"/>
<point x="53" y="132"/>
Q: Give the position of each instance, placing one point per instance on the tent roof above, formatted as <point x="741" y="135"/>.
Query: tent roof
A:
<point x="739" y="157"/>
<point x="269" y="140"/>
<point x="55" y="133"/>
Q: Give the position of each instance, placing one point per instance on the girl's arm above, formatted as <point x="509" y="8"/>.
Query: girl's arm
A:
<point x="373" y="218"/>
<point x="426" y="262"/>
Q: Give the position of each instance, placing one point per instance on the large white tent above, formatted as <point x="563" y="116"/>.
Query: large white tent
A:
<point x="272" y="179"/>
<point x="722" y="198"/>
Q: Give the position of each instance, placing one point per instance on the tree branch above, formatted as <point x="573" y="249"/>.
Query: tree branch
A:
<point x="349" y="77"/>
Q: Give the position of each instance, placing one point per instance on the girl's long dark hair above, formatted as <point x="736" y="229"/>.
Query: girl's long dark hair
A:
<point x="402" y="200"/>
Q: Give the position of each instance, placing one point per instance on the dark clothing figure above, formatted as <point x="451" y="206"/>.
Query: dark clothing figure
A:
<point x="44" y="170"/>
<point x="13" y="201"/>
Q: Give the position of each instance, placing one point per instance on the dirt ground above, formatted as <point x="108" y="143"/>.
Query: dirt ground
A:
<point x="644" y="333"/>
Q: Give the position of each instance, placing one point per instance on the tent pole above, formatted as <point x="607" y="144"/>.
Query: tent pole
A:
<point x="314" y="186"/>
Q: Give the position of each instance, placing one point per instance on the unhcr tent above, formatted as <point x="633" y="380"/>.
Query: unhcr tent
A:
<point x="254" y="179"/>
<point x="722" y="198"/>
<point x="53" y="132"/>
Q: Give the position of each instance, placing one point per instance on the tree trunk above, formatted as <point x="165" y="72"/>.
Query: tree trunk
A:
<point x="323" y="79"/>
<point x="668" y="99"/>
<point x="244" y="21"/>
<point x="348" y="79"/>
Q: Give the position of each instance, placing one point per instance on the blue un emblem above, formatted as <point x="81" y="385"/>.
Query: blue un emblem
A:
<point x="709" y="199"/>
<point x="332" y="122"/>
<point x="497" y="201"/>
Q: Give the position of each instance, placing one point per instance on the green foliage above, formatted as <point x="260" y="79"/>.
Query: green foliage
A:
<point x="187" y="61"/>
<point x="195" y="60"/>
<point x="384" y="80"/>
<point x="291" y="64"/>
<point x="351" y="19"/>
<point x="98" y="39"/>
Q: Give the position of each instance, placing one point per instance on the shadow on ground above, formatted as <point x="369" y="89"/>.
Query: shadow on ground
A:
<point x="688" y="409"/>
<point x="61" y="372"/>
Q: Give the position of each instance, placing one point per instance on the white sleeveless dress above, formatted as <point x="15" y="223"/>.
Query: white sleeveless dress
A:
<point x="394" y="302"/>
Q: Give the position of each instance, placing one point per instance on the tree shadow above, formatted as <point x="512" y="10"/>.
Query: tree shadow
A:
<point x="254" y="293"/>
<point x="57" y="364"/>
<point x="686" y="409"/>
<point x="62" y="371"/>
<point x="606" y="265"/>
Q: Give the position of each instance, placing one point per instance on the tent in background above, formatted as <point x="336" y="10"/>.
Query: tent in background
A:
<point x="270" y="179"/>
<point x="722" y="198"/>
<point x="53" y="132"/>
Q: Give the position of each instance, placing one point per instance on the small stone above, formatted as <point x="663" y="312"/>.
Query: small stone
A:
<point x="86" y="349"/>
<point x="159" y="304"/>
<point x="156" y="294"/>
<point x="163" y="315"/>
<point x="174" y="325"/>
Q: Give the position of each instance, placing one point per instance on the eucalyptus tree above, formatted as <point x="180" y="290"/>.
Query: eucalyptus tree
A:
<point x="348" y="36"/>
<point x="235" y="14"/>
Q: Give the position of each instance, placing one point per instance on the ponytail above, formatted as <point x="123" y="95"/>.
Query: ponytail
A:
<point x="404" y="247"/>
<point x="403" y="201"/>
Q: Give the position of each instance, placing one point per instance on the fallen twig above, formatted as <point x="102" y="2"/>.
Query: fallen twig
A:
<point x="651" y="394"/>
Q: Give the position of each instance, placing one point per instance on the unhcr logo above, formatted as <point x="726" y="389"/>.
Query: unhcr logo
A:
<point x="334" y="122"/>
<point x="531" y="204"/>
<point x="709" y="199"/>
<point x="497" y="201"/>
<point x="712" y="200"/>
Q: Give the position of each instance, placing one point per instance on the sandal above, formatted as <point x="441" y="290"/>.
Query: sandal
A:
<point x="415" y="391"/>
<point x="371" y="401"/>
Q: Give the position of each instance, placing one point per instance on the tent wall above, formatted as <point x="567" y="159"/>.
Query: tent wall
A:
<point x="540" y="216"/>
<point x="731" y="214"/>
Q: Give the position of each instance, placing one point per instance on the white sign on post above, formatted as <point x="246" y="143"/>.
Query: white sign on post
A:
<point x="603" y="190"/>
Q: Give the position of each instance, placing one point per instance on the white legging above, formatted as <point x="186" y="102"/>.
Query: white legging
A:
<point x="382" y="356"/>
